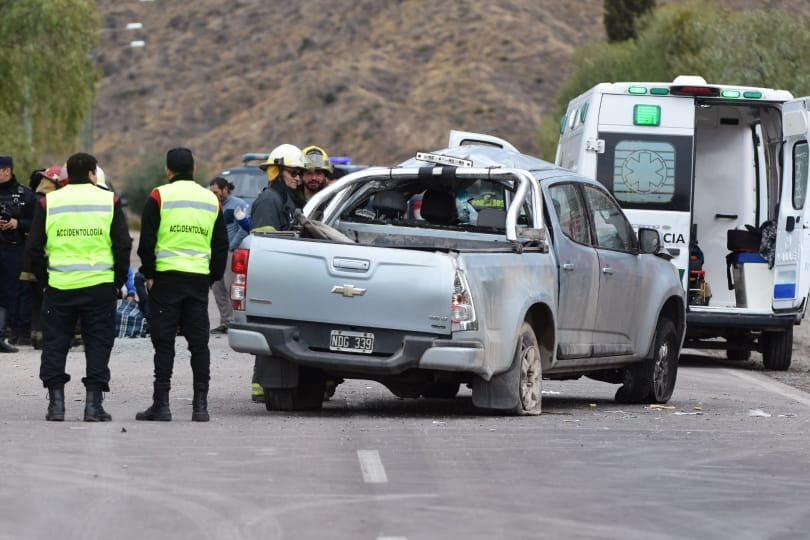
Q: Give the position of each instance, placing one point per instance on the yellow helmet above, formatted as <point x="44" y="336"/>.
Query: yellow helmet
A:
<point x="317" y="158"/>
<point x="285" y="155"/>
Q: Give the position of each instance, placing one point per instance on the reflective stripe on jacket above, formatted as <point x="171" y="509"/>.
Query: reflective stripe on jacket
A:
<point x="79" y="246"/>
<point x="187" y="215"/>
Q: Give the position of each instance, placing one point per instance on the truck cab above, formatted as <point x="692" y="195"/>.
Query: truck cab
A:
<point x="722" y="172"/>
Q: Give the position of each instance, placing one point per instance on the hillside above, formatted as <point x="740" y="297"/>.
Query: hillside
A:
<point x="373" y="79"/>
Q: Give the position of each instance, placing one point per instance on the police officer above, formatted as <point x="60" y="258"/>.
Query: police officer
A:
<point x="79" y="247"/>
<point x="183" y="250"/>
<point x="17" y="204"/>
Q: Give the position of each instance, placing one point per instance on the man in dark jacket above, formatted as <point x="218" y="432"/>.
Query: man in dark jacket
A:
<point x="79" y="248"/>
<point x="183" y="250"/>
<point x="274" y="208"/>
<point x="17" y="204"/>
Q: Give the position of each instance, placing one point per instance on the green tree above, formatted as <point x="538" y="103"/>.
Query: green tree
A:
<point x="148" y="174"/>
<point x="621" y="16"/>
<point x="47" y="73"/>
<point x="754" y="48"/>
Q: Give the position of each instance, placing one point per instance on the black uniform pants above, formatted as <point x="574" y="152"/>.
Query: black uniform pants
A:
<point x="180" y="303"/>
<point x="94" y="307"/>
<point x="10" y="268"/>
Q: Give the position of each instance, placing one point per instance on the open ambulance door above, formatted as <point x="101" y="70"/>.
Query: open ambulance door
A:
<point x="464" y="138"/>
<point x="792" y="260"/>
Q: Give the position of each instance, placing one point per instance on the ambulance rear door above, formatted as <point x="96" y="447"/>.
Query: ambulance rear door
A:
<point x="645" y="158"/>
<point x="792" y="254"/>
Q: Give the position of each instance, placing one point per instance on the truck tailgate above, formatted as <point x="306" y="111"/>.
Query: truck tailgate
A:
<point x="350" y="285"/>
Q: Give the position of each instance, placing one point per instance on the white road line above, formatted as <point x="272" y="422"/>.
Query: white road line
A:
<point x="371" y="466"/>
<point x="773" y="386"/>
<point x="392" y="538"/>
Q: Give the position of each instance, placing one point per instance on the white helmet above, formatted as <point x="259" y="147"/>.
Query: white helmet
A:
<point x="285" y="155"/>
<point x="101" y="178"/>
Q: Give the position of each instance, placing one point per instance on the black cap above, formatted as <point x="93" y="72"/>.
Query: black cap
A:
<point x="180" y="160"/>
<point x="6" y="161"/>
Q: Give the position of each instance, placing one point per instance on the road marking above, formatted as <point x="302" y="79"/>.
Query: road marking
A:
<point x="371" y="467"/>
<point x="392" y="538"/>
<point x="774" y="386"/>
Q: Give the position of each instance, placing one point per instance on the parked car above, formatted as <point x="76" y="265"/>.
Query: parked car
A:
<point x="248" y="179"/>
<point x="547" y="279"/>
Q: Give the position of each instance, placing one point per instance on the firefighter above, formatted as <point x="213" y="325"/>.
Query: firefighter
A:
<point x="318" y="171"/>
<point x="79" y="247"/>
<point x="274" y="209"/>
<point x="183" y="250"/>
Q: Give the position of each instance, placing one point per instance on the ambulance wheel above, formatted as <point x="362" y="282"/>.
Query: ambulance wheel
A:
<point x="307" y="396"/>
<point x="653" y="379"/>
<point x="777" y="349"/>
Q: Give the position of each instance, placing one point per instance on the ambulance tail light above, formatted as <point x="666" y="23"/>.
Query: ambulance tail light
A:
<point x="462" y="309"/>
<point x="702" y="91"/>
<point x="239" y="266"/>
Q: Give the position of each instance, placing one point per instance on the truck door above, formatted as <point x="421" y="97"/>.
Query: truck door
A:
<point x="579" y="272"/>
<point x="792" y="256"/>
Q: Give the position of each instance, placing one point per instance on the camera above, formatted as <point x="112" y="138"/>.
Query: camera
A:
<point x="5" y="212"/>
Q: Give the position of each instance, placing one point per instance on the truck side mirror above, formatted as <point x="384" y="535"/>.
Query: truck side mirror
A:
<point x="649" y="241"/>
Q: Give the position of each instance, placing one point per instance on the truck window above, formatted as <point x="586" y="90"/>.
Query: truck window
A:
<point x="647" y="172"/>
<point x="800" y="157"/>
<point x="570" y="213"/>
<point x="613" y="231"/>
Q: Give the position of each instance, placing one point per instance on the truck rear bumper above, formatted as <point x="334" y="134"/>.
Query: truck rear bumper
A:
<point x="416" y="352"/>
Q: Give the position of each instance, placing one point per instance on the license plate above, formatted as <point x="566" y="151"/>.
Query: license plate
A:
<point x="353" y="342"/>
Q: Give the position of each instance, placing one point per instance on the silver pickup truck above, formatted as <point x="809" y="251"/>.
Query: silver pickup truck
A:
<point x="473" y="265"/>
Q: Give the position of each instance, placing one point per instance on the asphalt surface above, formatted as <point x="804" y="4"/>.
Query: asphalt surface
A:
<point x="730" y="459"/>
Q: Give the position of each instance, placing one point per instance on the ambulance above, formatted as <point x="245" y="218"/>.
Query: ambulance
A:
<point x="722" y="172"/>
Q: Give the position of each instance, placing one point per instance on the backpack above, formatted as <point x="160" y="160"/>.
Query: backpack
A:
<point x="129" y="321"/>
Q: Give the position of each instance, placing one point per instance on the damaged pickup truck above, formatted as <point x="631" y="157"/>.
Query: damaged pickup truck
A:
<point x="473" y="265"/>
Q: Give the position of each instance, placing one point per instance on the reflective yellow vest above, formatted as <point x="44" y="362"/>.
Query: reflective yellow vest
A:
<point x="187" y="215"/>
<point x="79" y="247"/>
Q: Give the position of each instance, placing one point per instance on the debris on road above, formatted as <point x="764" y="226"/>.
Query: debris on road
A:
<point x="759" y="413"/>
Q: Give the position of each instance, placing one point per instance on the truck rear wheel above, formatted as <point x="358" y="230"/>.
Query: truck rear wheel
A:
<point x="519" y="389"/>
<point x="306" y="396"/>
<point x="777" y="349"/>
<point x="653" y="379"/>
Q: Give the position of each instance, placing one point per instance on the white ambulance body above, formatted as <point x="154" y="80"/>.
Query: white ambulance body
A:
<point x="720" y="165"/>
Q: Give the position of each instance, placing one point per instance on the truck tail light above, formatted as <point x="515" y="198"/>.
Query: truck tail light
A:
<point x="239" y="266"/>
<point x="462" y="309"/>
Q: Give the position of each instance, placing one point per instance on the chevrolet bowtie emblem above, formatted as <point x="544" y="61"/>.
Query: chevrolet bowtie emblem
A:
<point x="348" y="290"/>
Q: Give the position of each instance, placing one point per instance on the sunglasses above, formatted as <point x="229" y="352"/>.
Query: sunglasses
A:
<point x="295" y="173"/>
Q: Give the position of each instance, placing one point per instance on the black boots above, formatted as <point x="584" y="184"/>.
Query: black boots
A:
<point x="56" y="406"/>
<point x="199" y="411"/>
<point x="4" y="345"/>
<point x="159" y="410"/>
<point x="93" y="411"/>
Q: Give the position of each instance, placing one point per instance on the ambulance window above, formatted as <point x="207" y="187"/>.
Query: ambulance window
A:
<point x="647" y="171"/>
<point x="800" y="172"/>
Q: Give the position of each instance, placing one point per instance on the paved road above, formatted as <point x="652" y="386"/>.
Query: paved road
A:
<point x="372" y="466"/>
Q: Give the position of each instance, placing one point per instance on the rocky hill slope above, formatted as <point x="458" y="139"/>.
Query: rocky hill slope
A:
<point x="373" y="79"/>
